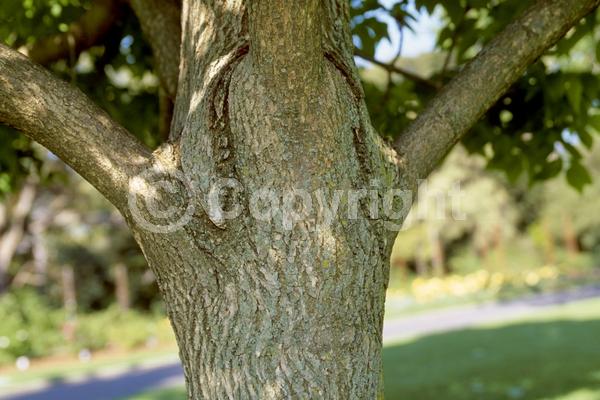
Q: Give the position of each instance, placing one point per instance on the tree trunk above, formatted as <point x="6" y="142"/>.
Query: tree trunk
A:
<point x="10" y="240"/>
<point x="286" y="303"/>
<point x="570" y="236"/>
<point x="69" y="291"/>
<point x="438" y="256"/>
<point x="41" y="218"/>
<point x="122" y="286"/>
<point x="548" y="245"/>
<point x="421" y="260"/>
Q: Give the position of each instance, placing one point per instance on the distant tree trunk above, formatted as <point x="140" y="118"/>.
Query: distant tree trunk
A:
<point x="499" y="246"/>
<point x="40" y="255"/>
<point x="3" y="215"/>
<point x="69" y="290"/>
<point x="122" y="286"/>
<point x="438" y="259"/>
<point x="42" y="217"/>
<point x="549" y="246"/>
<point x="421" y="267"/>
<point x="11" y="238"/>
<point x="569" y="235"/>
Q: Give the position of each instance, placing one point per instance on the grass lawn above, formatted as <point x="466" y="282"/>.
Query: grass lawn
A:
<point x="553" y="355"/>
<point x="164" y="394"/>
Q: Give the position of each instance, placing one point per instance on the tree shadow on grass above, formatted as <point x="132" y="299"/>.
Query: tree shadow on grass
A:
<point x="167" y="394"/>
<point x="544" y="360"/>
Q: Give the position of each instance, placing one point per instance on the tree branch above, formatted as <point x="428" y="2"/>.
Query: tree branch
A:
<point x="482" y="81"/>
<point x="82" y="35"/>
<point x="161" y="24"/>
<point x="65" y="121"/>
<point x="407" y="74"/>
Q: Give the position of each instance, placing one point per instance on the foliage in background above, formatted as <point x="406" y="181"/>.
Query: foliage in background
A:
<point x="494" y="238"/>
<point x="531" y="131"/>
<point x="31" y="328"/>
<point x="117" y="75"/>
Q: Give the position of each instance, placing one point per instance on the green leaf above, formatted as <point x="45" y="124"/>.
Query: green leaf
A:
<point x="565" y="45"/>
<point x="594" y="122"/>
<point x="477" y="3"/>
<point x="454" y="10"/>
<point x="370" y="31"/>
<point x="586" y="138"/>
<point x="513" y="169"/>
<point x="550" y="169"/>
<point x="428" y="4"/>
<point x="574" y="93"/>
<point x="575" y="154"/>
<point x="578" y="176"/>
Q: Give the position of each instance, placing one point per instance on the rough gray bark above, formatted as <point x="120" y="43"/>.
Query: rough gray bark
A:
<point x="268" y="95"/>
<point x="260" y="311"/>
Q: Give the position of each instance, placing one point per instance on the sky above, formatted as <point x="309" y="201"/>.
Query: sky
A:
<point x="415" y="43"/>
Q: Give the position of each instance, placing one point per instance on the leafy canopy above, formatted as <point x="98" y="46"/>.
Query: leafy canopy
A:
<point x="537" y="130"/>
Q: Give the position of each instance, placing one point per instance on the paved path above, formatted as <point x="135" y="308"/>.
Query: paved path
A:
<point x="110" y="387"/>
<point x="461" y="317"/>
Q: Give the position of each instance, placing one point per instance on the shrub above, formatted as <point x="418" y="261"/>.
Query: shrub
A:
<point x="28" y="326"/>
<point x="117" y="329"/>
